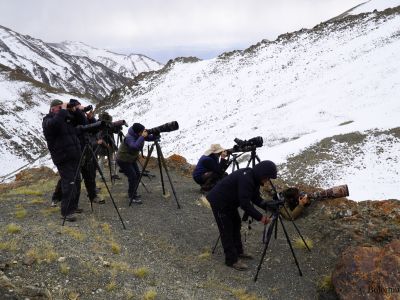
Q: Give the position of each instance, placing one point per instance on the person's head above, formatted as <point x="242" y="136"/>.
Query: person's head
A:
<point x="138" y="128"/>
<point x="106" y="117"/>
<point x="73" y="103"/>
<point x="291" y="196"/>
<point x="264" y="171"/>
<point x="214" y="149"/>
<point x="55" y="106"/>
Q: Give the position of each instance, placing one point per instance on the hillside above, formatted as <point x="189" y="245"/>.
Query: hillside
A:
<point x="336" y="81"/>
<point x="165" y="252"/>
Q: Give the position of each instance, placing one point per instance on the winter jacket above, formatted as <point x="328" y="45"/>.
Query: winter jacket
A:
<point x="240" y="189"/>
<point x="61" y="136"/>
<point x="209" y="164"/>
<point x="131" y="146"/>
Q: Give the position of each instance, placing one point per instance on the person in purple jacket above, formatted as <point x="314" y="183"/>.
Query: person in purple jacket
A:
<point x="127" y="155"/>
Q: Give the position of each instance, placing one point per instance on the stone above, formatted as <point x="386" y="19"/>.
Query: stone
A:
<point x="368" y="272"/>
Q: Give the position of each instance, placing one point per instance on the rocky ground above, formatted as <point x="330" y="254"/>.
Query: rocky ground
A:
<point x="165" y="252"/>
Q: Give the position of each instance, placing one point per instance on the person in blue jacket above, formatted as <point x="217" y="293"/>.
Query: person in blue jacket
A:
<point x="211" y="167"/>
<point x="239" y="189"/>
<point x="127" y="155"/>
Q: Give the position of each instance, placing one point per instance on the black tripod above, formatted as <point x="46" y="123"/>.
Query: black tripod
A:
<point x="161" y="163"/>
<point x="88" y="151"/>
<point x="276" y="207"/>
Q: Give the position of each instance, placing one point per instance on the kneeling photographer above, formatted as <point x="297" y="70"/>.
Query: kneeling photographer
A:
<point x="127" y="155"/>
<point x="239" y="189"/>
<point x="210" y="168"/>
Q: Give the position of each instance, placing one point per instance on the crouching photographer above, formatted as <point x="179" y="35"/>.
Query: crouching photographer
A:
<point x="211" y="167"/>
<point x="239" y="189"/>
<point x="65" y="150"/>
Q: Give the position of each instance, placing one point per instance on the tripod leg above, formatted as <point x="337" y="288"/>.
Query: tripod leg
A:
<point x="166" y="171"/>
<point x="216" y="244"/>
<point x="269" y="234"/>
<point x="141" y="173"/>
<point x="290" y="245"/>
<point x="105" y="183"/>
<point x="297" y="229"/>
<point x="78" y="170"/>
<point x="160" y="167"/>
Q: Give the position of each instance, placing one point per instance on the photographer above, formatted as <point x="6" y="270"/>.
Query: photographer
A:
<point x="84" y="116"/>
<point x="239" y="189"/>
<point x="128" y="154"/>
<point x="65" y="150"/>
<point x="105" y="141"/>
<point x="294" y="203"/>
<point x="210" y="168"/>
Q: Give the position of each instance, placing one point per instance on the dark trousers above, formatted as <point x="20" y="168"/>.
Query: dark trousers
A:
<point x="57" y="194"/>
<point x="88" y="171"/>
<point x="70" y="190"/>
<point x="229" y="223"/>
<point x="208" y="180"/>
<point x="131" y="170"/>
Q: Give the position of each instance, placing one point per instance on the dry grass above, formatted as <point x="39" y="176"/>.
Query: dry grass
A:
<point x="27" y="191"/>
<point x="120" y="266"/>
<point x="42" y="254"/>
<point x="74" y="233"/>
<point x="64" y="268"/>
<point x="10" y="245"/>
<point x="242" y="294"/>
<point x="37" y="201"/>
<point x="141" y="272"/>
<point x="205" y="254"/>
<point x="13" y="228"/>
<point x="325" y="283"/>
<point x="115" y="247"/>
<point x="150" y="295"/>
<point x="20" y="213"/>
<point x="106" y="228"/>
<point x="49" y="211"/>
<point x="299" y="244"/>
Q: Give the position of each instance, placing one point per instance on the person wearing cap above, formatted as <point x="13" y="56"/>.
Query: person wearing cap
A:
<point x="239" y="189"/>
<point x="210" y="167"/>
<point x="84" y="116"/>
<point x="106" y="142"/>
<point x="127" y="155"/>
<point x="65" y="150"/>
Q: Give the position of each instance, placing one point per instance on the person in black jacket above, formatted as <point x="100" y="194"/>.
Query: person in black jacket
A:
<point x="210" y="168"/>
<point x="65" y="150"/>
<point x="239" y="189"/>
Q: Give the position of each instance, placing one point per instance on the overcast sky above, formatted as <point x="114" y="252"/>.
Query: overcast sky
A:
<point x="164" y="29"/>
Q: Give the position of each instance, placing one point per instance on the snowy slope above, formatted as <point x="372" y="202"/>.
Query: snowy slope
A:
<point x="370" y="6"/>
<point x="126" y="65"/>
<point x="337" y="78"/>
<point x="23" y="104"/>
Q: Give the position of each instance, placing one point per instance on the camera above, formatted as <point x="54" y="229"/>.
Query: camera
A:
<point x="167" y="127"/>
<point x="114" y="127"/>
<point x="246" y="145"/>
<point x="87" y="108"/>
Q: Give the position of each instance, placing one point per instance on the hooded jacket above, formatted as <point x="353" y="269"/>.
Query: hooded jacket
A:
<point x="133" y="143"/>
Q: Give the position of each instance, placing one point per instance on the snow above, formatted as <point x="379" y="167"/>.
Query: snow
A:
<point x="293" y="93"/>
<point x="371" y="5"/>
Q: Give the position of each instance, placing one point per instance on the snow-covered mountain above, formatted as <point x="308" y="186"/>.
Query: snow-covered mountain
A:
<point x="127" y="65"/>
<point x="66" y="66"/>
<point x="370" y="6"/>
<point x="23" y="104"/>
<point x="325" y="101"/>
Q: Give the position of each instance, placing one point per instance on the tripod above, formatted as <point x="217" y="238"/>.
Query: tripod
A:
<point x="161" y="163"/>
<point x="276" y="215"/>
<point x="88" y="150"/>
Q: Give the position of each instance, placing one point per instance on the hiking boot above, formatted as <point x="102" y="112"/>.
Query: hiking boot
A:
<point x="98" y="200"/>
<point x="240" y="266"/>
<point x="70" y="218"/>
<point x="246" y="256"/>
<point x="136" y="200"/>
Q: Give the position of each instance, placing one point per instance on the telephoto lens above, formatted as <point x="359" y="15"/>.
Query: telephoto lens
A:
<point x="167" y="127"/>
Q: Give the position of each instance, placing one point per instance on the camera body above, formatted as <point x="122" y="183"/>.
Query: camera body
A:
<point x="246" y="145"/>
<point x="95" y="127"/>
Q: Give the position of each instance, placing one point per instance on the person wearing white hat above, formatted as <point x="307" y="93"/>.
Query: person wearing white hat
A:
<point x="211" y="167"/>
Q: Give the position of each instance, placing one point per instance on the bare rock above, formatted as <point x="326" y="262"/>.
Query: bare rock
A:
<point x="364" y="272"/>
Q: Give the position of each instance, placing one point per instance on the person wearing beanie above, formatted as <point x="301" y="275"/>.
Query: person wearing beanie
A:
<point x="210" y="167"/>
<point x="127" y="155"/>
<point x="239" y="189"/>
<point x="64" y="146"/>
